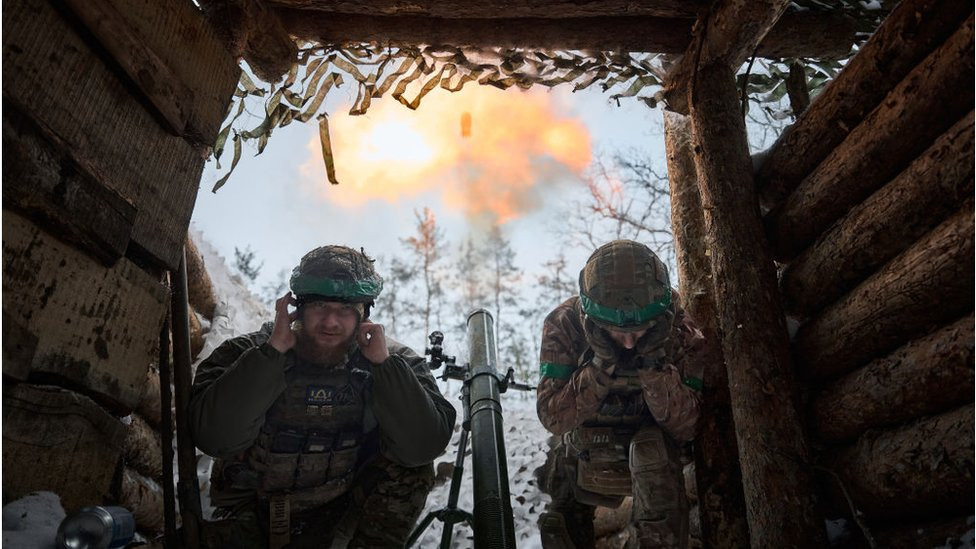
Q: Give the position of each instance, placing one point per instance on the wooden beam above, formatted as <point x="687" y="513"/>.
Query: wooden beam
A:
<point x="910" y="32"/>
<point x="927" y="285"/>
<point x="923" y="377"/>
<point x="721" y="505"/>
<point x="729" y="34"/>
<point x="499" y="9"/>
<point x="820" y="36"/>
<point x="881" y="227"/>
<point x="773" y="454"/>
<point x="918" y="110"/>
<point x="924" y="469"/>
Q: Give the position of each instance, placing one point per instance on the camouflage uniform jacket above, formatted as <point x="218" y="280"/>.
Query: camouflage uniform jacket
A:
<point x="239" y="383"/>
<point x="572" y="389"/>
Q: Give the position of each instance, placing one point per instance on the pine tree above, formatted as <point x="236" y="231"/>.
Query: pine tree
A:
<point x="427" y="252"/>
<point x="244" y="263"/>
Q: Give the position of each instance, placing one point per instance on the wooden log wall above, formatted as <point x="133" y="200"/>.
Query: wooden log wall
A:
<point x="109" y="111"/>
<point x="870" y="210"/>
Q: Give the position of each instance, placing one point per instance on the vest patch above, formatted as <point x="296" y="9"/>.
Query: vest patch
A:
<point x="320" y="395"/>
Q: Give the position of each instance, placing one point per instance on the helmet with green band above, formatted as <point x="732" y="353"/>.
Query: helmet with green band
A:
<point x="336" y="272"/>
<point x="624" y="286"/>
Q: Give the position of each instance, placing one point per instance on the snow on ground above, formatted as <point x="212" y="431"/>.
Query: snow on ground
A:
<point x="32" y="521"/>
<point x="525" y="449"/>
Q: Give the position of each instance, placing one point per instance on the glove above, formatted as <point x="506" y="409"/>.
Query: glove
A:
<point x="651" y="348"/>
<point x="604" y="348"/>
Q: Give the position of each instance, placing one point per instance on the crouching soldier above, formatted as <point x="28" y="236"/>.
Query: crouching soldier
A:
<point x="620" y="390"/>
<point x="325" y="430"/>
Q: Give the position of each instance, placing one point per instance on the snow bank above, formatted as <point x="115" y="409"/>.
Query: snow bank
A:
<point x="32" y="521"/>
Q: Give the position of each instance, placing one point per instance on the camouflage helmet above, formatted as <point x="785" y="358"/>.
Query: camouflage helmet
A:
<point x="336" y="272"/>
<point x="624" y="286"/>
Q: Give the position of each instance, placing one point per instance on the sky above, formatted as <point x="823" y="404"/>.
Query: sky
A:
<point x="522" y="164"/>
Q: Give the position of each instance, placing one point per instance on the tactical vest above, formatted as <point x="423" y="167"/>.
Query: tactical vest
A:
<point x="312" y="439"/>
<point x="602" y="444"/>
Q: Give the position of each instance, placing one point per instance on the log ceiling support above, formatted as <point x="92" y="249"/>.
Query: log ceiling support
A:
<point x="495" y="9"/>
<point x="719" y="481"/>
<point x="797" y="35"/>
<point x="773" y="452"/>
<point x="726" y="36"/>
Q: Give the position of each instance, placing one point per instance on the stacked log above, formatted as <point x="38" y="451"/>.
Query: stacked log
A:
<point x="923" y="377"/>
<point x="870" y="195"/>
<point x="927" y="285"/>
<point x="881" y="227"/>
<point x="910" y="32"/>
<point x="920" y="470"/>
<point x="933" y="96"/>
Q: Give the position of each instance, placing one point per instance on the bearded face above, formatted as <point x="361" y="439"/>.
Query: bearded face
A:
<point x="326" y="331"/>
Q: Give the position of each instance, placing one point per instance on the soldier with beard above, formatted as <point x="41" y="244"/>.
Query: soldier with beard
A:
<point x="324" y="429"/>
<point x="620" y="392"/>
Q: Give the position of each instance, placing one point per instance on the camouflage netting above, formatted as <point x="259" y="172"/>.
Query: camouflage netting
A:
<point x="410" y="73"/>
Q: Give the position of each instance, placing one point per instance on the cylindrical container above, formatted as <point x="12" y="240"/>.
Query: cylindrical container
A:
<point x="96" y="528"/>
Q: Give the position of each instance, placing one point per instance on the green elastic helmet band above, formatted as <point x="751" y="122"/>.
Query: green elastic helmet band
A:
<point x="364" y="290"/>
<point x="624" y="318"/>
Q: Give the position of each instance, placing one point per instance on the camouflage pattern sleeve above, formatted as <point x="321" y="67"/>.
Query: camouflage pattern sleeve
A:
<point x="673" y="392"/>
<point x="568" y="395"/>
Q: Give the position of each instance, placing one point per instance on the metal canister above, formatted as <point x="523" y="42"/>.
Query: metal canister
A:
<point x="97" y="527"/>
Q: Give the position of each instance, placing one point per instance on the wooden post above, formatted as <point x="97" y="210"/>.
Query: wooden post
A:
<point x="773" y="454"/>
<point x="188" y="490"/>
<point x="720" y="502"/>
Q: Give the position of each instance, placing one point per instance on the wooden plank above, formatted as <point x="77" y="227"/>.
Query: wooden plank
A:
<point x="719" y="480"/>
<point x="730" y="32"/>
<point x="44" y="183"/>
<point x="876" y="230"/>
<point x="933" y="97"/>
<point x="105" y="129"/>
<point x="910" y="32"/>
<point x="773" y="452"/>
<point x="801" y="36"/>
<point x="58" y="440"/>
<point x="96" y="326"/>
<point x="927" y="285"/>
